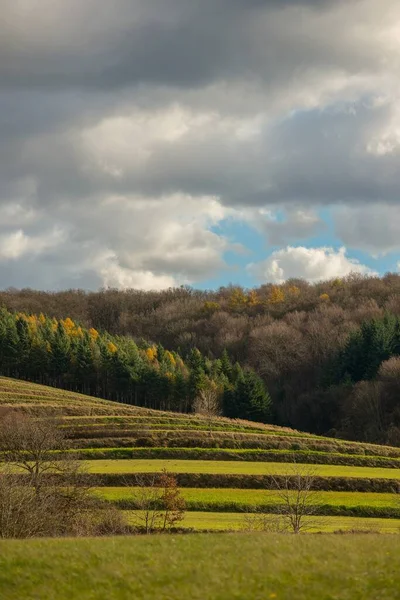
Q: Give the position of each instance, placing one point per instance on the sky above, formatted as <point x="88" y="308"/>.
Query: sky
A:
<point x="156" y="143"/>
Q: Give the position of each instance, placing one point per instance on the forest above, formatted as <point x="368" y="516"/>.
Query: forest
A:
<point x="63" y="354"/>
<point x="327" y="353"/>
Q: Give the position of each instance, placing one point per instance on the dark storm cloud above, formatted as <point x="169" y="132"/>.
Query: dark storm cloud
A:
<point x="100" y="44"/>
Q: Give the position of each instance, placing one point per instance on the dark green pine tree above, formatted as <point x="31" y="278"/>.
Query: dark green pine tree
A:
<point x="252" y="400"/>
<point x="226" y="365"/>
<point x="60" y="355"/>
<point x="160" y="352"/>
<point x="39" y="360"/>
<point x="229" y="401"/>
<point x="122" y="377"/>
<point x="9" y="348"/>
<point x="196" y="380"/>
<point x="84" y="371"/>
<point x="396" y="338"/>
<point x="195" y="360"/>
<point x="180" y="398"/>
<point x="366" y="349"/>
<point x="24" y="347"/>
<point x="237" y="372"/>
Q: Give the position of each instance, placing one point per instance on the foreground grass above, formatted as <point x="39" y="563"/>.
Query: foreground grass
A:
<point x="229" y="467"/>
<point x="200" y="567"/>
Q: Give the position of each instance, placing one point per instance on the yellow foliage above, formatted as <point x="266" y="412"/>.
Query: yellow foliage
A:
<point x="324" y="297"/>
<point x="211" y="307"/>
<point x="151" y="353"/>
<point x="277" y="295"/>
<point x="42" y="318"/>
<point x="68" y="324"/>
<point x="170" y="357"/>
<point x="252" y="298"/>
<point x="112" y="348"/>
<point x="31" y="320"/>
<point x="94" y="334"/>
<point x="237" y="298"/>
<point x="337" y="282"/>
<point x="294" y="290"/>
<point x="48" y="347"/>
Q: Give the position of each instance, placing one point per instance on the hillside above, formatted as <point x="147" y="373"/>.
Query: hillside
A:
<point x="302" y="339"/>
<point x="63" y="354"/>
<point x="225" y="468"/>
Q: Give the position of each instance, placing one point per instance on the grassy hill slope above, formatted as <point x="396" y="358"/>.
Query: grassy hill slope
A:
<point x="223" y="466"/>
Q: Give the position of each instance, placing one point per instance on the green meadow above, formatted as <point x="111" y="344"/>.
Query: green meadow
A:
<point x="240" y="566"/>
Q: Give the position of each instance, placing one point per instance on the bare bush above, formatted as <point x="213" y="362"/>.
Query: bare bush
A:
<point x="42" y="487"/>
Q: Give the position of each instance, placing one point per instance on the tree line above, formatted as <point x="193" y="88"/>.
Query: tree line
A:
<point x="292" y="335"/>
<point x="63" y="354"/>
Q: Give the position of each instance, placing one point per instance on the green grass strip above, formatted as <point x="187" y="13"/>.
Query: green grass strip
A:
<point x="231" y="467"/>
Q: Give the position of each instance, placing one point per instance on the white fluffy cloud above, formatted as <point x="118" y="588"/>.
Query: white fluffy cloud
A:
<point x="18" y="245"/>
<point x="312" y="264"/>
<point x="123" y="242"/>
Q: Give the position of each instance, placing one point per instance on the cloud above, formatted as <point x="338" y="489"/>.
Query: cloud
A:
<point x="312" y="264"/>
<point x="285" y="226"/>
<point x="375" y="229"/>
<point x="122" y="242"/>
<point x="18" y="245"/>
<point x="49" y="43"/>
<point x="138" y="133"/>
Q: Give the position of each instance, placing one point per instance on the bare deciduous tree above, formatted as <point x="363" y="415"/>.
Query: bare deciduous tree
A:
<point x="42" y="486"/>
<point x="298" y="498"/>
<point x="31" y="445"/>
<point x="158" y="501"/>
<point x="296" y="501"/>
<point x="208" y="403"/>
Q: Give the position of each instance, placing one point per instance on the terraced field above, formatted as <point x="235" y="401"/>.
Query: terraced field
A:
<point x="226" y="468"/>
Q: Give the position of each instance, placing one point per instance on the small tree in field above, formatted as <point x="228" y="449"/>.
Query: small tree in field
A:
<point x="146" y="497"/>
<point x="31" y="444"/>
<point x="296" y="503"/>
<point x="298" y="498"/>
<point x="158" y="502"/>
<point x="172" y="501"/>
<point x="208" y="402"/>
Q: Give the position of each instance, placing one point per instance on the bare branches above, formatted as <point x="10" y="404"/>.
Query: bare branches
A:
<point x="31" y="444"/>
<point x="158" y="501"/>
<point x="295" y="503"/>
<point x="297" y="497"/>
<point x="208" y="402"/>
<point x="49" y="497"/>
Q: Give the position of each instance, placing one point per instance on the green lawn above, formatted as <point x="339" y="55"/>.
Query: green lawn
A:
<point x="237" y="521"/>
<point x="257" y="497"/>
<point x="230" y="467"/>
<point x="202" y="567"/>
